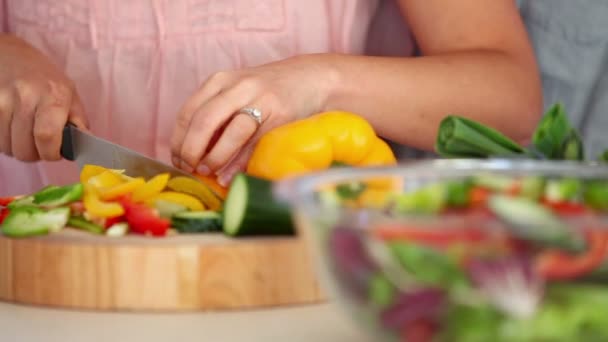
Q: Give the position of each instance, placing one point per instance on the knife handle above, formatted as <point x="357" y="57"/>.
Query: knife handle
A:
<point x="67" y="147"/>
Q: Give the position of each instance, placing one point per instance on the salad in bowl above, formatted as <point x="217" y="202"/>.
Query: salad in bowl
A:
<point x="462" y="250"/>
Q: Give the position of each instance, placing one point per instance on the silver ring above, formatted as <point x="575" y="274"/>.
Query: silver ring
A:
<point x="253" y="113"/>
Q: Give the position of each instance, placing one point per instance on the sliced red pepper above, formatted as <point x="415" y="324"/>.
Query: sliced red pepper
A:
<point x="556" y="264"/>
<point x="143" y="219"/>
<point x="3" y="214"/>
<point x="420" y="330"/>
<point x="566" y="208"/>
<point x="110" y="221"/>
<point x="514" y="190"/>
<point x="5" y="201"/>
<point x="77" y="208"/>
<point x="478" y="196"/>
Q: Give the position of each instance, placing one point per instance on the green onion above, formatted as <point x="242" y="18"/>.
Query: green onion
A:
<point x="553" y="136"/>
<point x="572" y="147"/>
<point x="461" y="137"/>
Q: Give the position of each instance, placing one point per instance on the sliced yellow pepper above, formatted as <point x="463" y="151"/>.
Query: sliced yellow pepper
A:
<point x="182" y="199"/>
<point x="105" y="179"/>
<point x="98" y="208"/>
<point x="116" y="191"/>
<point x="197" y="189"/>
<point x="91" y="170"/>
<point x="152" y="188"/>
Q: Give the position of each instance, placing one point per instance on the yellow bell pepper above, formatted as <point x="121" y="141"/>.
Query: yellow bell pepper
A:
<point x="90" y="170"/>
<point x="182" y="199"/>
<point x="116" y="191"/>
<point x="197" y="189"/>
<point x="105" y="179"/>
<point x="315" y="143"/>
<point x="152" y="188"/>
<point x="98" y="208"/>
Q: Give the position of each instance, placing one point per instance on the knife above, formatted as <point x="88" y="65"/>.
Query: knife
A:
<point x="85" y="148"/>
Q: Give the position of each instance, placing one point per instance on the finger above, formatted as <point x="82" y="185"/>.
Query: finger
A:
<point x="236" y="165"/>
<point x="212" y="87"/>
<point x="51" y="116"/>
<point x="23" y="146"/>
<point x="238" y="132"/>
<point x="6" y="115"/>
<point x="77" y="115"/>
<point x="208" y="118"/>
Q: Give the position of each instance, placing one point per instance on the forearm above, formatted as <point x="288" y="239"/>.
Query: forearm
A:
<point x="406" y="98"/>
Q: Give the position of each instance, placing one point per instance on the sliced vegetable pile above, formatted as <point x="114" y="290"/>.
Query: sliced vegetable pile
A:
<point x="110" y="202"/>
<point x="487" y="258"/>
<point x="107" y="201"/>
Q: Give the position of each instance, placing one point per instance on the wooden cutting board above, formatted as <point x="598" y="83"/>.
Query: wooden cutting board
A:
<point x="74" y="269"/>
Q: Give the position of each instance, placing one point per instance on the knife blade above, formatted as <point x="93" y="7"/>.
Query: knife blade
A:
<point x="85" y="148"/>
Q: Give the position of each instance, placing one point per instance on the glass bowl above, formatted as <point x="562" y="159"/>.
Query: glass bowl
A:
<point x="461" y="250"/>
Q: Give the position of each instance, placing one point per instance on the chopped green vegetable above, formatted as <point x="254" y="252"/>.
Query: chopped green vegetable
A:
<point x="429" y="266"/>
<point x="498" y="183"/>
<point x="197" y="221"/>
<point x="381" y="290"/>
<point x="571" y="312"/>
<point x="532" y="187"/>
<point x="27" y="201"/>
<point x="429" y="199"/>
<point x="462" y="137"/>
<point x="350" y="190"/>
<point x="532" y="221"/>
<point x="54" y="196"/>
<point x="30" y="221"/>
<point x="84" y="224"/>
<point x="167" y="209"/>
<point x="595" y="194"/>
<point x="458" y="193"/>
<point x="560" y="190"/>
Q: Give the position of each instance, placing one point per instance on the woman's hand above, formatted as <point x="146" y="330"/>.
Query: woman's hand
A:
<point x="36" y="100"/>
<point x="210" y="138"/>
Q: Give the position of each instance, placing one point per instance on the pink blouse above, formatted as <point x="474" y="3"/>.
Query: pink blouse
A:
<point x="136" y="62"/>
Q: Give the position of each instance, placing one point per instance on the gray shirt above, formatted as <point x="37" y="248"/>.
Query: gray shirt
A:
<point x="570" y="38"/>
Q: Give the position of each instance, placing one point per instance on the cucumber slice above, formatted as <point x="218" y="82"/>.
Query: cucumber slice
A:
<point x="499" y="183"/>
<point x="251" y="209"/>
<point x="559" y="190"/>
<point x="532" y="187"/>
<point x="27" y="201"/>
<point x="197" y="221"/>
<point x="429" y="199"/>
<point x="531" y="221"/>
<point x="30" y="221"/>
<point x="167" y="209"/>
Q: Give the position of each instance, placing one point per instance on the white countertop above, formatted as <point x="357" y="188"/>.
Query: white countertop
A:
<point x="324" y="322"/>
